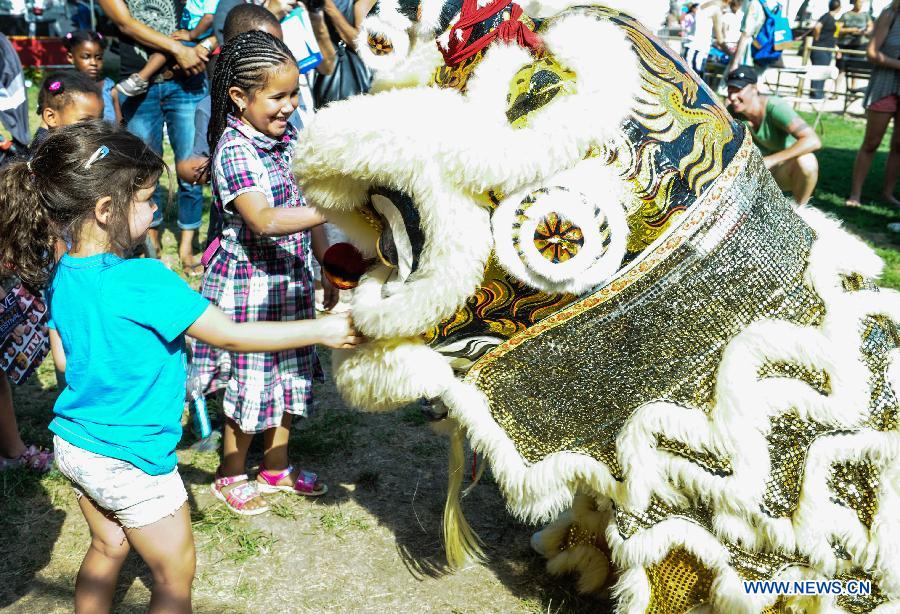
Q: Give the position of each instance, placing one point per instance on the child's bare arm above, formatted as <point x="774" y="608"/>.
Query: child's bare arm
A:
<point x="203" y="26"/>
<point x="56" y="349"/>
<point x="319" y="242"/>
<point x="117" y="107"/>
<point x="268" y="221"/>
<point x="331" y="295"/>
<point x="215" y="328"/>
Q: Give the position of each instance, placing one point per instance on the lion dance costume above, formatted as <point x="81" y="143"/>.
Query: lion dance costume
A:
<point x="583" y="258"/>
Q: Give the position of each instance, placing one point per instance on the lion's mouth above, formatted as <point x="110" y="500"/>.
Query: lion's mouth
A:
<point x="399" y="246"/>
<point x="402" y="239"/>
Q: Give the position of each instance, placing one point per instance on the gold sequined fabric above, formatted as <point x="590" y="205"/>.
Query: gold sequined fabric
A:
<point x="659" y="338"/>
<point x="855" y="485"/>
<point x="749" y="564"/>
<point x="657" y="333"/>
<point x="717" y="465"/>
<point x="577" y="536"/>
<point x="860" y="604"/>
<point x="680" y="583"/>
<point x="788" y="441"/>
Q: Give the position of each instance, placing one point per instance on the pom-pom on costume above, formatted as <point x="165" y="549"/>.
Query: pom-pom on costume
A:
<point x="587" y="263"/>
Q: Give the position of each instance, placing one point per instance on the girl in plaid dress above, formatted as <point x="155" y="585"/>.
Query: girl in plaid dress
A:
<point x="262" y="268"/>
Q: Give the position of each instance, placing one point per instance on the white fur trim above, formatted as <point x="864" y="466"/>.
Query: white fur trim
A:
<point x="429" y="19"/>
<point x="485" y="152"/>
<point x="392" y="26"/>
<point x="564" y="129"/>
<point x="589" y="561"/>
<point x="651" y="546"/>
<point x="415" y="70"/>
<point x="388" y="375"/>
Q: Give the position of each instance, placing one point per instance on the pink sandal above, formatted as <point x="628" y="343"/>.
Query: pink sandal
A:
<point x="304" y="485"/>
<point x="34" y="458"/>
<point x="237" y="497"/>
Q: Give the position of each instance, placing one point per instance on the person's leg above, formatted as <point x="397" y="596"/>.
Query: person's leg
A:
<point x="275" y="445"/>
<point x="95" y="585"/>
<point x="876" y="125"/>
<point x="155" y="63"/>
<point x="11" y="444"/>
<point x="892" y="167"/>
<point x="144" y="118"/>
<point x="179" y="103"/>
<point x="235" y="444"/>
<point x="167" y="546"/>
<point x="782" y="175"/>
<point x="804" y="173"/>
<point x="275" y="460"/>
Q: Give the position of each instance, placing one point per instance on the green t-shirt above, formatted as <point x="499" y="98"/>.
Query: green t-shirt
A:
<point x="773" y="134"/>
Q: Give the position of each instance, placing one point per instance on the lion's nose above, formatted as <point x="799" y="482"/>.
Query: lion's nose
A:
<point x="344" y="265"/>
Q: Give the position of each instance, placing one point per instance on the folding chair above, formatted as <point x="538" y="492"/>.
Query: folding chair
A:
<point x="802" y="94"/>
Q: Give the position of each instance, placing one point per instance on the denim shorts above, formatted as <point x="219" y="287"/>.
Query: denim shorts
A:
<point x="134" y="497"/>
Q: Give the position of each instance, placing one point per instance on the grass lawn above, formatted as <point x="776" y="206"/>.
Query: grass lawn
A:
<point x="374" y="541"/>
<point x="842" y="137"/>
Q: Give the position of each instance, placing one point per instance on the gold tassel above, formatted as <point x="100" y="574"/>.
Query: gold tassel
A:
<point x="461" y="543"/>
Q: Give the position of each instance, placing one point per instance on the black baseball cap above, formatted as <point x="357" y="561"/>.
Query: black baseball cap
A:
<point x="741" y="77"/>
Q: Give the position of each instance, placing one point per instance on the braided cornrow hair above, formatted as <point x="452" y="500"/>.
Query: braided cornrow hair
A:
<point x="245" y="62"/>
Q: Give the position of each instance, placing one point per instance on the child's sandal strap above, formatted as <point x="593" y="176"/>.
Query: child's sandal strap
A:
<point x="240" y="496"/>
<point x="222" y="481"/>
<point x="271" y="478"/>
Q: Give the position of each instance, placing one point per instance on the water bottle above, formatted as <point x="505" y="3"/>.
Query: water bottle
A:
<point x="198" y="405"/>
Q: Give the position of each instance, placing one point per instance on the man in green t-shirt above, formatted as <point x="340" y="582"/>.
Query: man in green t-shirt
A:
<point x="786" y="141"/>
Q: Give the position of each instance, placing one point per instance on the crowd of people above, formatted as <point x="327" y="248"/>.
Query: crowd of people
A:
<point x="222" y="79"/>
<point x="726" y="32"/>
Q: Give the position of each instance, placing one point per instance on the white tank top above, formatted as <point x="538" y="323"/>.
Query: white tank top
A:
<point x="701" y="38"/>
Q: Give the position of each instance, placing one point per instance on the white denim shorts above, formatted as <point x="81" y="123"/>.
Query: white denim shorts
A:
<point x="134" y="497"/>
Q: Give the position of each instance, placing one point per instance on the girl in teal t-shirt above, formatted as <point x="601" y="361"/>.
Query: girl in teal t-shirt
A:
<point x="121" y="325"/>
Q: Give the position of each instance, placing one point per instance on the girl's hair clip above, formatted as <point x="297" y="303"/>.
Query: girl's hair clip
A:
<point x="55" y="87"/>
<point x="101" y="153"/>
<point x="99" y="36"/>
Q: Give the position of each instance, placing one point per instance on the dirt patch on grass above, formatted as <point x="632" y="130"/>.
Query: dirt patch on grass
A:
<point x="371" y="544"/>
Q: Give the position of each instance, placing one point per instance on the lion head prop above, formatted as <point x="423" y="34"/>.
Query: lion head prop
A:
<point x="581" y="256"/>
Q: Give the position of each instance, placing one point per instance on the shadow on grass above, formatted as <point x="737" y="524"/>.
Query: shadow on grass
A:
<point x="30" y="524"/>
<point x="30" y="518"/>
<point x="395" y="467"/>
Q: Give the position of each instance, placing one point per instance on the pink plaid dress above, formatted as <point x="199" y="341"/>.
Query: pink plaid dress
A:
<point x="253" y="278"/>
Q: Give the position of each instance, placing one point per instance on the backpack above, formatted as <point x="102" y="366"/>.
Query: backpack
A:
<point x="774" y="36"/>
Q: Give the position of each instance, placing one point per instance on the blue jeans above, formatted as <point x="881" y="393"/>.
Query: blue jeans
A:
<point x="171" y="102"/>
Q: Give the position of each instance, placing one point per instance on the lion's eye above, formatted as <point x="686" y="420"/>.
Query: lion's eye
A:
<point x="402" y="240"/>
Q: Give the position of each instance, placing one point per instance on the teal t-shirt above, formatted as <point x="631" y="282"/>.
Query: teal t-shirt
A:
<point x="773" y="135"/>
<point x="121" y="323"/>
